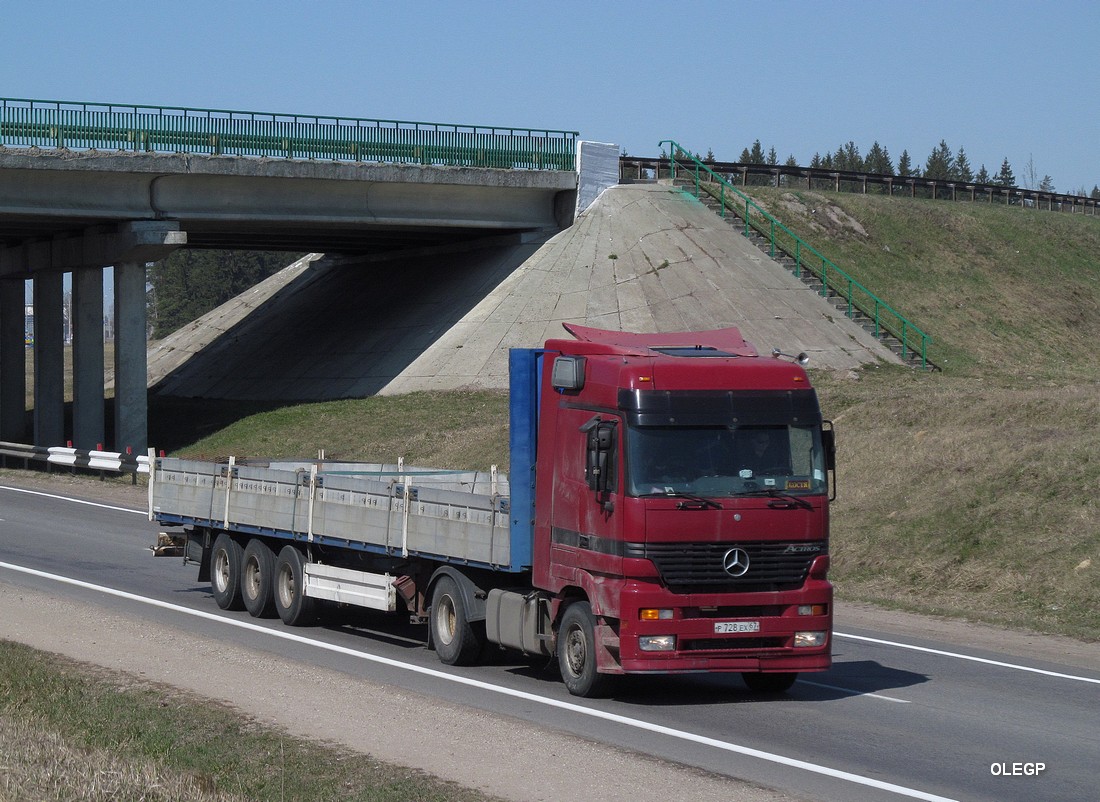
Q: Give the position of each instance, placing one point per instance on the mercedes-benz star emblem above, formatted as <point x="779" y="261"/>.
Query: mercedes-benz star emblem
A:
<point x="736" y="562"/>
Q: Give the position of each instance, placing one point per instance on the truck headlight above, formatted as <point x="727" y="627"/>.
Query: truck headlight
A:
<point x="804" y="640"/>
<point x="657" y="643"/>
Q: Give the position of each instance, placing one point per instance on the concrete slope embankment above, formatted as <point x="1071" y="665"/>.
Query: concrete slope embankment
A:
<point x="641" y="258"/>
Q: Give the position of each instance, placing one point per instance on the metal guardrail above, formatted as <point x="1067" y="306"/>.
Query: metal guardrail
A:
<point x="805" y="256"/>
<point x="857" y="181"/>
<point x="105" y="461"/>
<point x="173" y="129"/>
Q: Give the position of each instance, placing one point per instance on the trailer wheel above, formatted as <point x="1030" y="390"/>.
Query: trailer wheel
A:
<point x="577" y="651"/>
<point x="456" y="640"/>
<point x="257" y="579"/>
<point x="225" y="572"/>
<point x="769" y="683"/>
<point x="293" y="606"/>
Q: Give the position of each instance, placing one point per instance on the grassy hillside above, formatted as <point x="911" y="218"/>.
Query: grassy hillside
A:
<point x="1001" y="289"/>
<point x="969" y="492"/>
<point x="972" y="491"/>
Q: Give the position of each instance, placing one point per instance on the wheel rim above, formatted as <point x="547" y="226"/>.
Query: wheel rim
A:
<point x="576" y="651"/>
<point x="445" y="619"/>
<point x="252" y="579"/>
<point x="287" y="590"/>
<point x="221" y="570"/>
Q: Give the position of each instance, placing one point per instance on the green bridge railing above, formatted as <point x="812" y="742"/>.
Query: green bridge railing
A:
<point x="168" y="129"/>
<point x="806" y="258"/>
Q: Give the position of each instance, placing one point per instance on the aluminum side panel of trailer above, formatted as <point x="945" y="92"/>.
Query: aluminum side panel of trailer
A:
<point x="458" y="517"/>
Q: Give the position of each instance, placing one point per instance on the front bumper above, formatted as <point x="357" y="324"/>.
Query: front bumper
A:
<point x="700" y="645"/>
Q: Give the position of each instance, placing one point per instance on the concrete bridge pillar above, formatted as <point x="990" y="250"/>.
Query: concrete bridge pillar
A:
<point x="49" y="359"/>
<point x="13" y="359"/>
<point x="87" y="322"/>
<point x="131" y="366"/>
<point x="127" y="246"/>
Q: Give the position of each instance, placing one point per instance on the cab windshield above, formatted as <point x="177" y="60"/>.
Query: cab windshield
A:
<point x="725" y="460"/>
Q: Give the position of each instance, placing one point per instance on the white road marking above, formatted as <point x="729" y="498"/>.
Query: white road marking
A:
<point x="957" y="656"/>
<point x="853" y="691"/>
<point x="73" y="500"/>
<point x="682" y="735"/>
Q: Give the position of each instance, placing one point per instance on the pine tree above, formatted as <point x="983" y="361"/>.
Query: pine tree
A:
<point x="878" y="160"/>
<point x="815" y="162"/>
<point x="773" y="157"/>
<point x="940" y="163"/>
<point x="757" y="154"/>
<point x="746" y="157"/>
<point x="905" y="164"/>
<point x="1095" y="194"/>
<point x="847" y="158"/>
<point x="791" y="161"/>
<point x="1005" y="178"/>
<point x="709" y="158"/>
<point x="962" y="170"/>
<point x="190" y="283"/>
<point x="1047" y="184"/>
<point x="982" y="177"/>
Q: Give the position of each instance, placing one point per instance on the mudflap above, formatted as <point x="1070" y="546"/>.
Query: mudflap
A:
<point x="607" y="648"/>
<point x="198" y="548"/>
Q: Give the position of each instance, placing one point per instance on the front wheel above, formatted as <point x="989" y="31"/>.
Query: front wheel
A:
<point x="577" y="652"/>
<point x="456" y="640"/>
<point x="769" y="683"/>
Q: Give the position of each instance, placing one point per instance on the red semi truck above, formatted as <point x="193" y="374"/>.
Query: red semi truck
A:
<point x="667" y="512"/>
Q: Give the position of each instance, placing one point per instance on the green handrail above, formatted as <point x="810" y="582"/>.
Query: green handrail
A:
<point x="805" y="256"/>
<point x="174" y="129"/>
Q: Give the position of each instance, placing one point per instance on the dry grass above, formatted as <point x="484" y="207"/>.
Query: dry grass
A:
<point x="975" y="501"/>
<point x="40" y="765"/>
<point x="70" y="731"/>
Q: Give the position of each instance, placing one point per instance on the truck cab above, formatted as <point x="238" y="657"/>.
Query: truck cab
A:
<point x="681" y="517"/>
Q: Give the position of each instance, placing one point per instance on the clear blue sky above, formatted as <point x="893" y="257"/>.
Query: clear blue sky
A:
<point x="1002" y="78"/>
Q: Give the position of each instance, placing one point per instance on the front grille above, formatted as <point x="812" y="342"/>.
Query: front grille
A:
<point x="732" y="644"/>
<point x="698" y="567"/>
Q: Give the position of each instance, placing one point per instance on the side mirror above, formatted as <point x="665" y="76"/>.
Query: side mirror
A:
<point x="599" y="454"/>
<point x="828" y="440"/>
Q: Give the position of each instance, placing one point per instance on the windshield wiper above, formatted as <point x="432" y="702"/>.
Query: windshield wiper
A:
<point x="792" y="501"/>
<point x="691" y="497"/>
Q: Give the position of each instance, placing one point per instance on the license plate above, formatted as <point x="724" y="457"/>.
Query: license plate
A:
<point x="723" y="627"/>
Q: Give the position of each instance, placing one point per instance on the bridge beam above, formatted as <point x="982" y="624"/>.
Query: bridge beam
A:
<point x="131" y="365"/>
<point x="87" y="328"/>
<point x="13" y="363"/>
<point x="49" y="359"/>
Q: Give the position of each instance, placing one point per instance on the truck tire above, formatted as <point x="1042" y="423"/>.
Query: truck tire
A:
<point x="457" y="641"/>
<point x="577" y="651"/>
<point x="225" y="572"/>
<point x="769" y="683"/>
<point x="293" y="606"/>
<point x="258" y="579"/>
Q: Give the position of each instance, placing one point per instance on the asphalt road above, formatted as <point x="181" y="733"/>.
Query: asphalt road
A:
<point x="895" y="718"/>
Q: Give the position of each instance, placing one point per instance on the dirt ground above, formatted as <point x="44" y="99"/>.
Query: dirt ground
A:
<point x="449" y="741"/>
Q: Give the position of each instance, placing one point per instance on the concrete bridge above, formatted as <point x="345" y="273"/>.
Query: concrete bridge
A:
<point x="87" y="186"/>
<point x="443" y="247"/>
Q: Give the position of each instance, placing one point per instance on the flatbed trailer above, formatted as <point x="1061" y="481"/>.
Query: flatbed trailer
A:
<point x="588" y="552"/>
